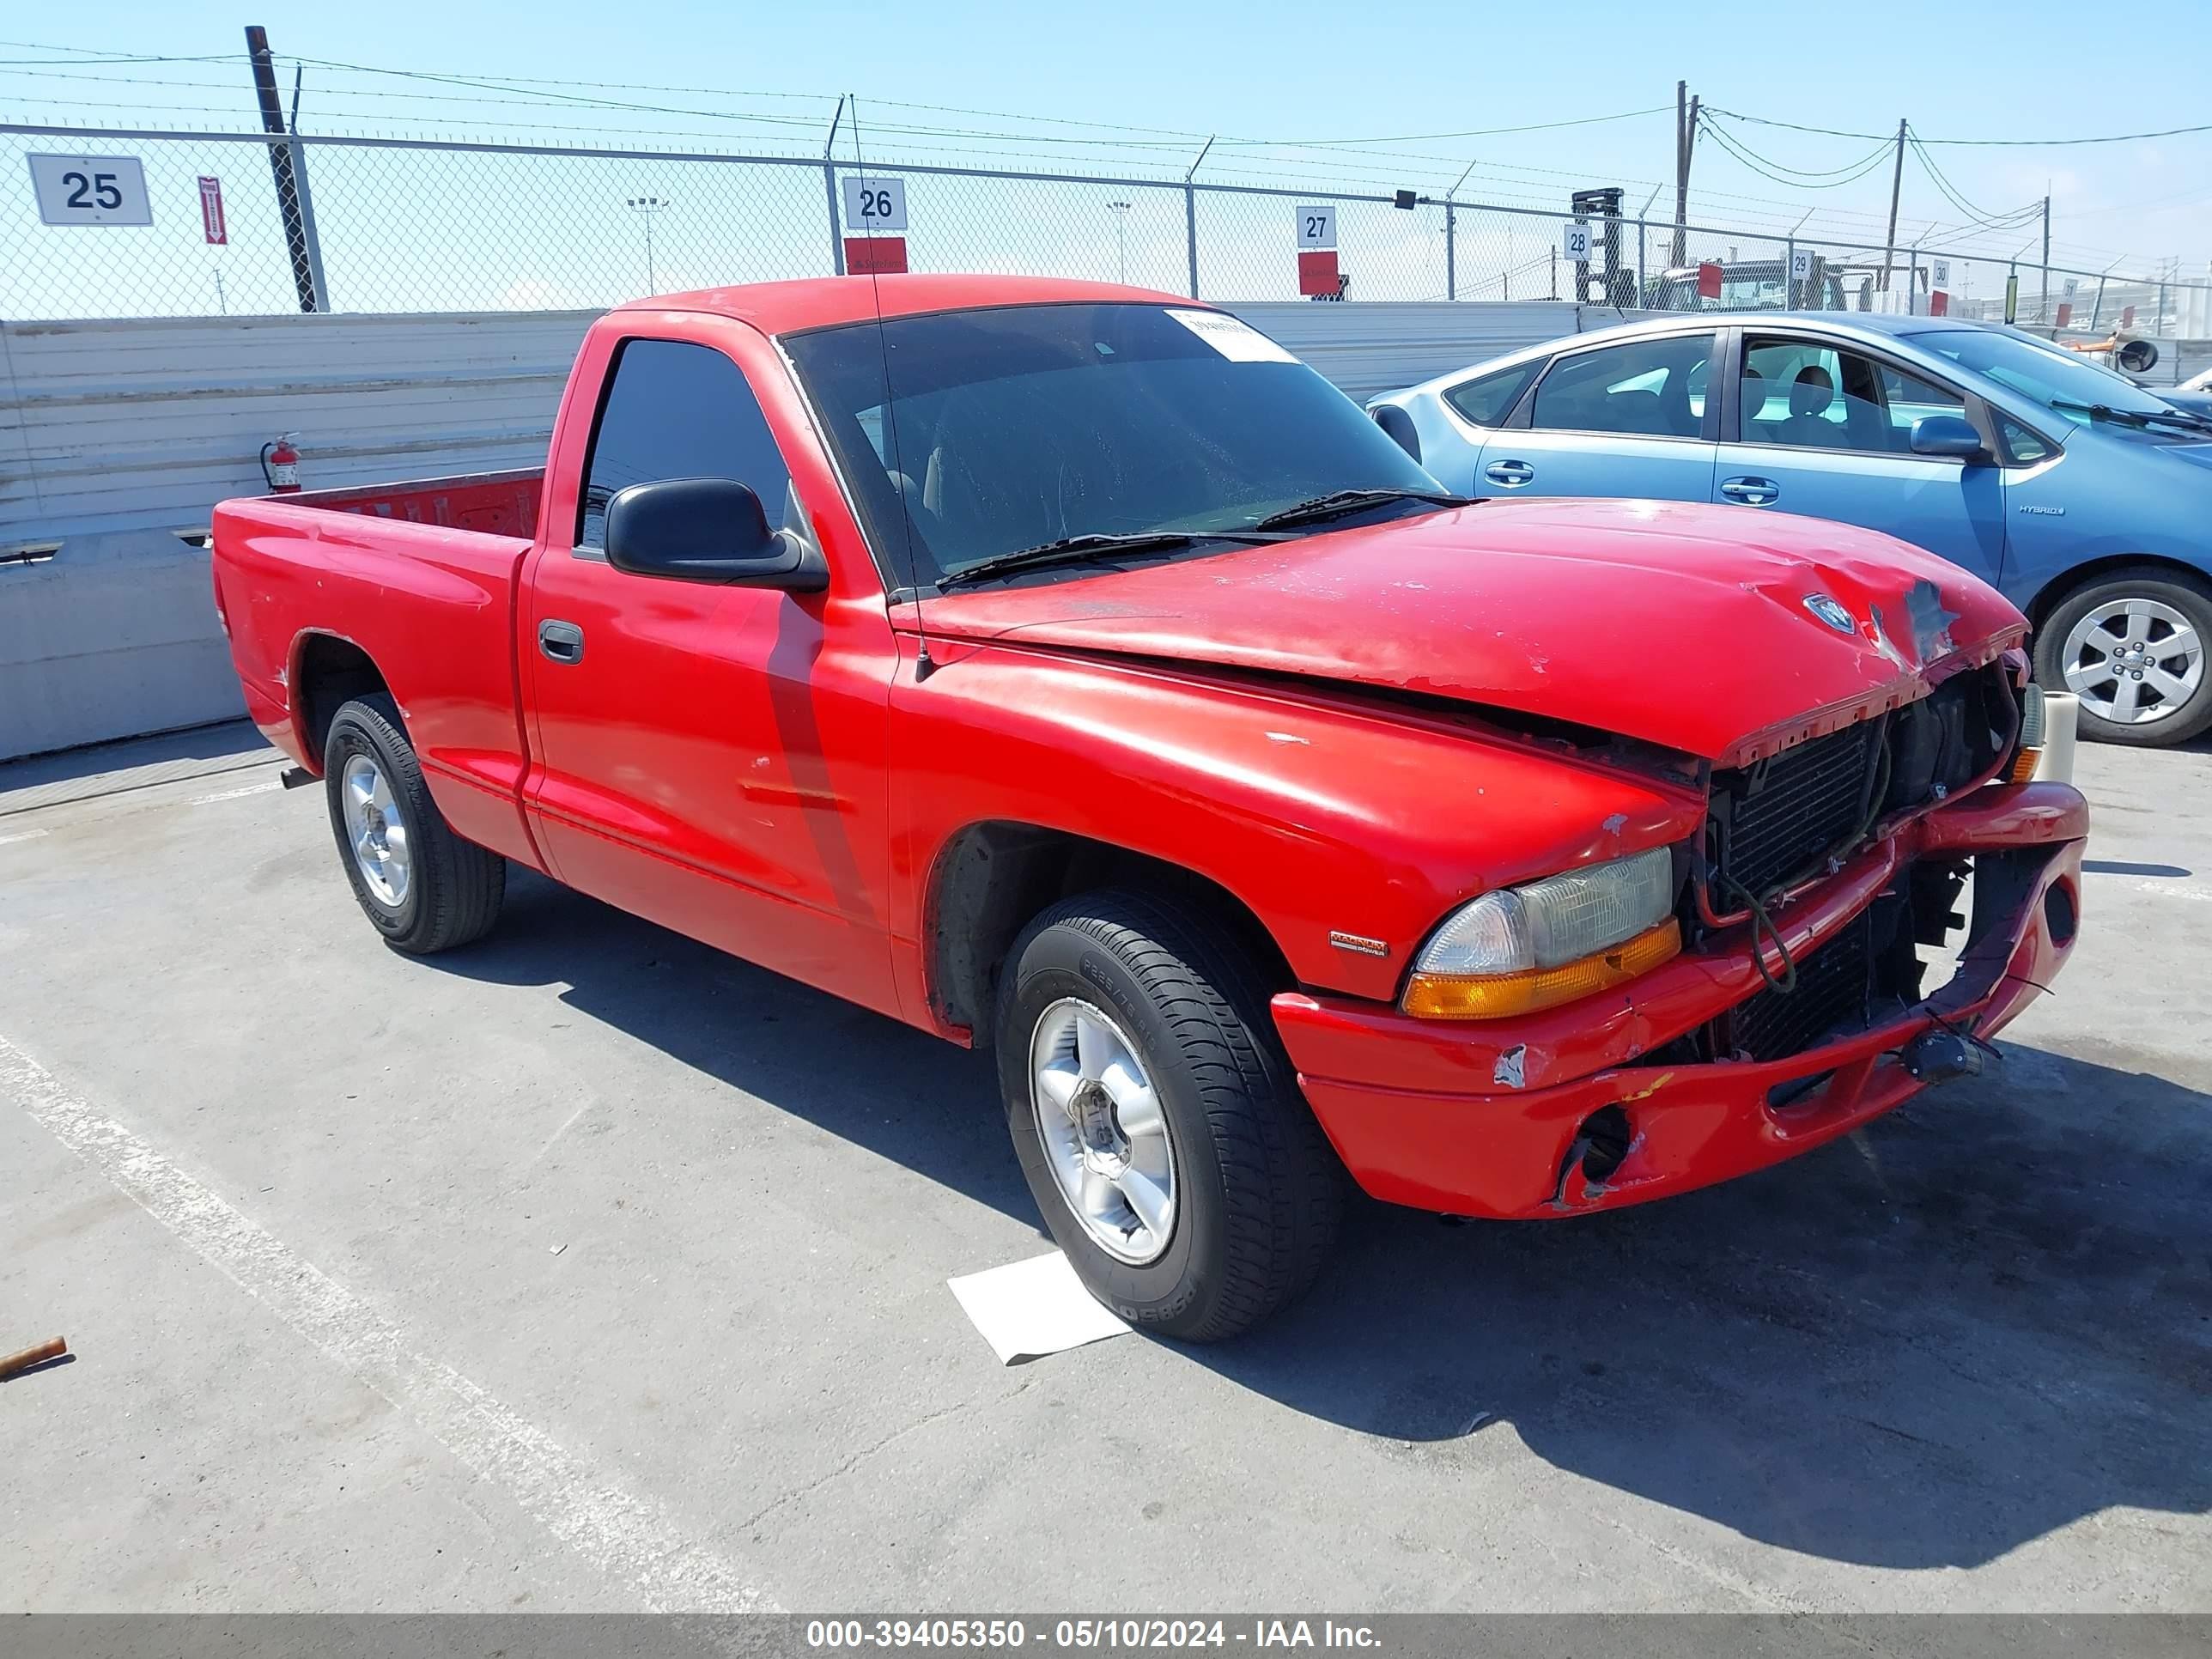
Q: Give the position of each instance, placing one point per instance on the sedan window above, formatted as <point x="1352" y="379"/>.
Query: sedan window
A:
<point x="1644" y="388"/>
<point x="1805" y="395"/>
<point x="1488" y="399"/>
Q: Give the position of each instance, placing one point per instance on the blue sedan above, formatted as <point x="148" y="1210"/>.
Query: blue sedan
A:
<point x="2086" y="500"/>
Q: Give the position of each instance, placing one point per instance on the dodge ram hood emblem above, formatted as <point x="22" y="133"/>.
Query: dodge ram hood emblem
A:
<point x="1832" y="613"/>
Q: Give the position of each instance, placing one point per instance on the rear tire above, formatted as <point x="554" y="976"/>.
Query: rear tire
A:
<point x="420" y="884"/>
<point x="2133" y="642"/>
<point x="1247" y="1195"/>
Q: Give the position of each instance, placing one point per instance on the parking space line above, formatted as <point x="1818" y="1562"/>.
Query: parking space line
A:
<point x="233" y="795"/>
<point x="622" y="1532"/>
<point x="21" y="835"/>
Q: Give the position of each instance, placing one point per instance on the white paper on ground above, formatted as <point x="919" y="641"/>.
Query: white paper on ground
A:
<point x="1027" y="1309"/>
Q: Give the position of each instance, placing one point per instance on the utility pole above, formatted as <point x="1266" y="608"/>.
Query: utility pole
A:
<point x="1896" y="184"/>
<point x="645" y="207"/>
<point x="283" y="158"/>
<point x="2045" y="317"/>
<point x="1685" y="142"/>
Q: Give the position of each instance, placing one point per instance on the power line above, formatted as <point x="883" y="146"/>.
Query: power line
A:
<point x="2000" y="143"/>
<point x="1757" y="164"/>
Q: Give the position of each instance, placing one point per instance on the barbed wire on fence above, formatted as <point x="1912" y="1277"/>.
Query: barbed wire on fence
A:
<point x="399" y="225"/>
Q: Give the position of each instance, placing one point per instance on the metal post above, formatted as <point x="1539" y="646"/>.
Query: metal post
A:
<point x="1789" y="273"/>
<point x="1451" y="237"/>
<point x="307" y="197"/>
<point x="829" y="191"/>
<point x="282" y="170"/>
<point x="1190" y="214"/>
<point x="1643" y="268"/>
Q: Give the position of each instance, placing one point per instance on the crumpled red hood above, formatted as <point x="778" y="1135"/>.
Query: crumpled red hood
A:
<point x="1685" y="625"/>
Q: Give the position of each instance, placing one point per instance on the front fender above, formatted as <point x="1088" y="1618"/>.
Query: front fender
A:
<point x="1320" y="816"/>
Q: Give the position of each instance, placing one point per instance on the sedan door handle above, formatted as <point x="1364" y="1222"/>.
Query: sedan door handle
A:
<point x="561" y="642"/>
<point x="1511" y="474"/>
<point x="1752" y="492"/>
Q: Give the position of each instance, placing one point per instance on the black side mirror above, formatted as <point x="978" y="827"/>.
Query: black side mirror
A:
<point x="706" y="529"/>
<point x="1949" y="436"/>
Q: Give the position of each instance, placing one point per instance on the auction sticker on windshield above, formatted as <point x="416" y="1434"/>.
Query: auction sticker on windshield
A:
<point x="1233" y="338"/>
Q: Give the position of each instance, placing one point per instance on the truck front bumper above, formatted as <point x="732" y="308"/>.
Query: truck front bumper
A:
<point x="1490" y="1118"/>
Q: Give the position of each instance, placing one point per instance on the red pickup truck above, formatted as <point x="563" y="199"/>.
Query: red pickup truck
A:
<point x="1066" y="668"/>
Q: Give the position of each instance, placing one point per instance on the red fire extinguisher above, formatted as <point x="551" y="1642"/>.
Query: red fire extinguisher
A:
<point x="280" y="465"/>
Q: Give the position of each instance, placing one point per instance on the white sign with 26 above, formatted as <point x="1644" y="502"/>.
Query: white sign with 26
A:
<point x="875" y="205"/>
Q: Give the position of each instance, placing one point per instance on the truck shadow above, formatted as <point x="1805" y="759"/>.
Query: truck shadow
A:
<point x="1987" y="1317"/>
<point x="899" y="1092"/>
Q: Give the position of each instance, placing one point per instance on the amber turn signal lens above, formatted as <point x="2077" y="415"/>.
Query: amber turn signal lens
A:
<point x="2024" y="765"/>
<point x="1495" y="996"/>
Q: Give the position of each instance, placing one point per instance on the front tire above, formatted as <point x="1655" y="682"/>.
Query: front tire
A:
<point x="2132" y="647"/>
<point x="420" y="884"/>
<point x="1156" y="1118"/>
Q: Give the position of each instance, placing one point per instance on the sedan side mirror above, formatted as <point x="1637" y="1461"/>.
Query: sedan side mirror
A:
<point x="1947" y="434"/>
<point x="707" y="530"/>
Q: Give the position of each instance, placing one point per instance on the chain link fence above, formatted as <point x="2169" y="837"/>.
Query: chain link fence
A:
<point x="354" y="224"/>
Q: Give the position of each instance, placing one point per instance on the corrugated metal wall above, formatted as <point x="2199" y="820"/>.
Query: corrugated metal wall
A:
<point x="116" y="434"/>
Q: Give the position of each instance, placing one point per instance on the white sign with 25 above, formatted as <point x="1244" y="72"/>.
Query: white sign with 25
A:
<point x="91" y="190"/>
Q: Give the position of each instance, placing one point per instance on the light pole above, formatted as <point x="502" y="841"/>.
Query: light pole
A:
<point x="645" y="207"/>
<point x="1122" y="234"/>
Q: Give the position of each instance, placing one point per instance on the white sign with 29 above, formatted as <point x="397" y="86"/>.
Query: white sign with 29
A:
<point x="91" y="190"/>
<point x="875" y="205"/>
<point x="1800" y="263"/>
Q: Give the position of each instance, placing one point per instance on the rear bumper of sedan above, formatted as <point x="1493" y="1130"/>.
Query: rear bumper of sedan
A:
<point x="1500" y="1118"/>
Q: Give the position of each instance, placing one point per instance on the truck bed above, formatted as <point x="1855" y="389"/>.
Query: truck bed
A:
<point x="497" y="503"/>
<point x="418" y="579"/>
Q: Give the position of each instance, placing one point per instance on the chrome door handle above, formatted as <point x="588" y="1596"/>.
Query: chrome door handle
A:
<point x="561" y="642"/>
<point x="1752" y="492"/>
<point x="1511" y="474"/>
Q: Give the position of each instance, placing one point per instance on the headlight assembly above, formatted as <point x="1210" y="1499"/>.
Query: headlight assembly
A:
<point x="1520" y="949"/>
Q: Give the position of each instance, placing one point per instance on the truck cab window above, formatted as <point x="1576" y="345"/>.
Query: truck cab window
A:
<point x="674" y="410"/>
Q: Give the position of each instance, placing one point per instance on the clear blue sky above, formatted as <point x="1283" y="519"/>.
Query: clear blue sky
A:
<point x="1293" y="71"/>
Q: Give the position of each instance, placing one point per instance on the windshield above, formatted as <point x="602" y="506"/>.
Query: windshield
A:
<point x="1014" y="427"/>
<point x="2053" y="376"/>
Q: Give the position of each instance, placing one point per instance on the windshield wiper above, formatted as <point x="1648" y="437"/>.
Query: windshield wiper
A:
<point x="1339" y="502"/>
<point x="2136" y="417"/>
<point x="1085" y="549"/>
